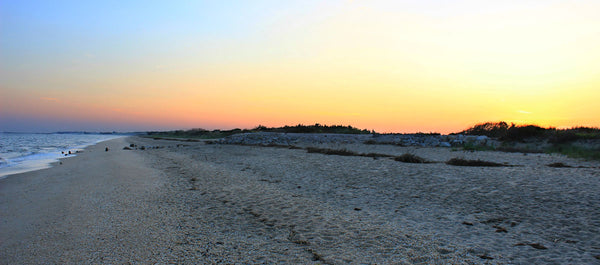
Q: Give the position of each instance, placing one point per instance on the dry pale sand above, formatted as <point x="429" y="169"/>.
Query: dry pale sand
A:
<point x="194" y="203"/>
<point x="98" y="207"/>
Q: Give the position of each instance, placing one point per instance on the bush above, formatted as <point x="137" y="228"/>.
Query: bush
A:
<point x="410" y="158"/>
<point x="206" y="134"/>
<point x="472" y="163"/>
<point x="572" y="150"/>
<point x="489" y="129"/>
<point x="558" y="164"/>
<point x="561" y="137"/>
<point x="520" y="133"/>
<point x="316" y="128"/>
<point x="341" y="152"/>
<point x="375" y="155"/>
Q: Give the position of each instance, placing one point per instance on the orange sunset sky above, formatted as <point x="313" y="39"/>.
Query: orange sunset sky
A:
<point x="391" y="66"/>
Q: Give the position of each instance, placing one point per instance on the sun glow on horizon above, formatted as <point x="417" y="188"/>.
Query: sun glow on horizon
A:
<point x="391" y="66"/>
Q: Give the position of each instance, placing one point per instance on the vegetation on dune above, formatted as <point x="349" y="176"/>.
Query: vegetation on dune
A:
<point x="472" y="163"/>
<point x="316" y="128"/>
<point x="410" y="158"/>
<point x="478" y="147"/>
<point x="558" y="164"/>
<point x="576" y="151"/>
<point x="579" y="142"/>
<point x="195" y="133"/>
<point x="490" y="129"/>
<point x="503" y="131"/>
<point x="215" y="134"/>
<point x="340" y="152"/>
<point x="343" y="152"/>
<point x="406" y="158"/>
<point x="375" y="155"/>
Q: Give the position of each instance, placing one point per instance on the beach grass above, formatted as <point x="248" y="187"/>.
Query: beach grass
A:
<point x="410" y="158"/>
<point x="339" y="152"/>
<point x="472" y="163"/>
<point x="343" y="152"/>
<point x="575" y="151"/>
<point x="558" y="164"/>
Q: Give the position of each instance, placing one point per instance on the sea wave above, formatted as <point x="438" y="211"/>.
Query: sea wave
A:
<point x="22" y="152"/>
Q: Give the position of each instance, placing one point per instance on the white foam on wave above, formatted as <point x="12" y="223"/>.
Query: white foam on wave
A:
<point x="21" y="153"/>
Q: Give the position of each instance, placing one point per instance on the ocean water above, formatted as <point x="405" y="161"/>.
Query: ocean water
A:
<point x="22" y="152"/>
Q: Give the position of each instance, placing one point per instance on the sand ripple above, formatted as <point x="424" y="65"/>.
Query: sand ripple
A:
<point x="262" y="204"/>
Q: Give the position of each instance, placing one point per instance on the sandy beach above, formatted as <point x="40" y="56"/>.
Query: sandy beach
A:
<point x="196" y="203"/>
<point x="97" y="207"/>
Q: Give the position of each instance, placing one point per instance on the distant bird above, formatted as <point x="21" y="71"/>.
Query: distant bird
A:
<point x="106" y="149"/>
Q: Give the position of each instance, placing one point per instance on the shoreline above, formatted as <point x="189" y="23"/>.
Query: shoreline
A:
<point x="51" y="159"/>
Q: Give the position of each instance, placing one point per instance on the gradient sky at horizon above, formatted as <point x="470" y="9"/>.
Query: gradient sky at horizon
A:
<point x="391" y="66"/>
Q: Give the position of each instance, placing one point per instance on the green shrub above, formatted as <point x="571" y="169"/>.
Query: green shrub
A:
<point x="574" y="151"/>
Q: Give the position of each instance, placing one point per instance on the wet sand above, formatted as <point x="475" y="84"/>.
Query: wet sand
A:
<point x="189" y="202"/>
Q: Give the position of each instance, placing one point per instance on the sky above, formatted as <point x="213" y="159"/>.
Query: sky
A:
<point x="389" y="66"/>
